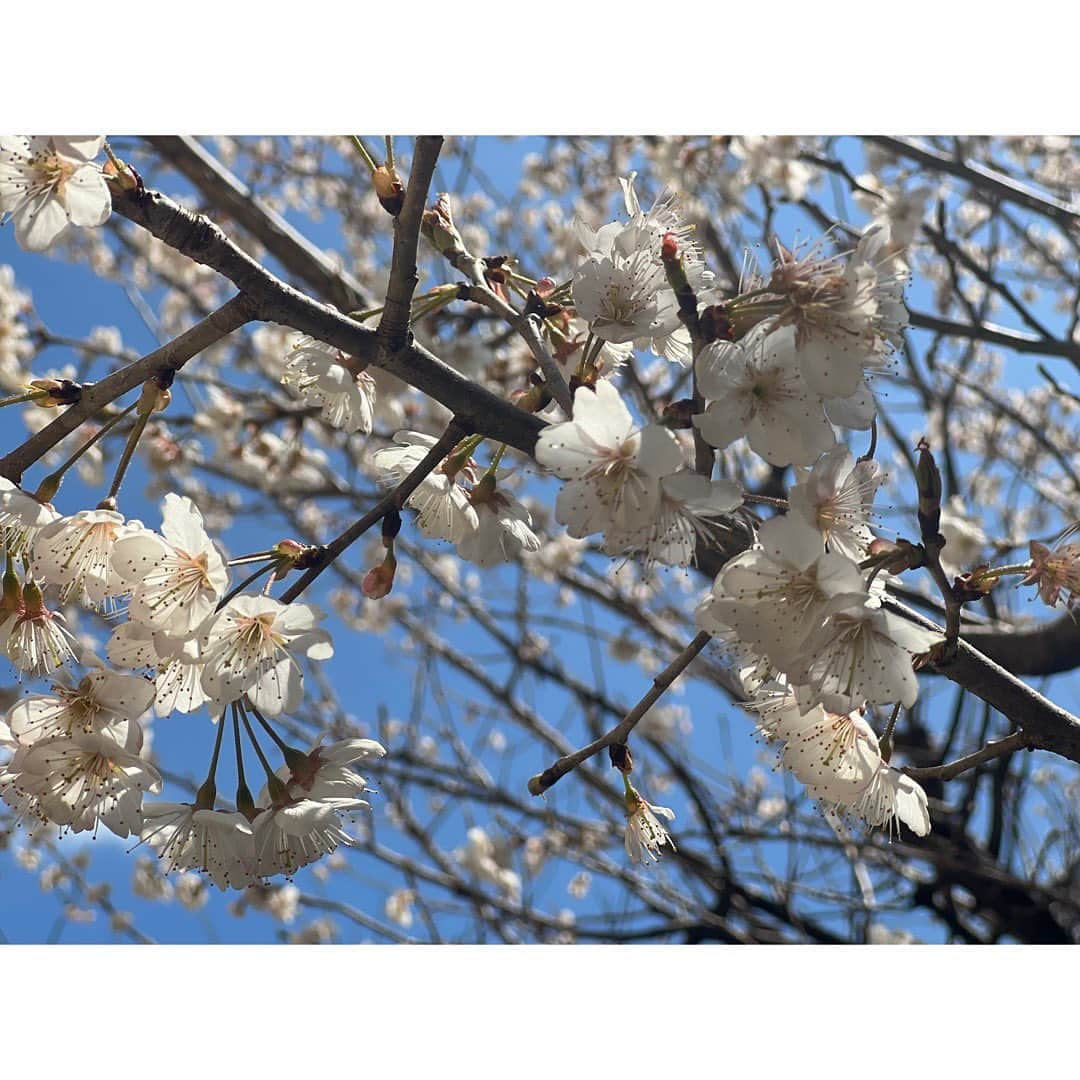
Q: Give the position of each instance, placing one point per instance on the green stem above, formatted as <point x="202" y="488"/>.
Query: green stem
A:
<point x="389" y="141"/>
<point x="30" y="395"/>
<point x="57" y="475"/>
<point x="368" y="160"/>
<point x="129" y="452"/>
<point x="271" y="776"/>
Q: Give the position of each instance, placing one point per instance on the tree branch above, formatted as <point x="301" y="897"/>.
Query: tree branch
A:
<point x="1016" y="741"/>
<point x="290" y="247"/>
<point x="618" y="734"/>
<point x="394" y="324"/>
<point x="200" y="239"/>
<point x="394" y="500"/>
<point x="169" y="358"/>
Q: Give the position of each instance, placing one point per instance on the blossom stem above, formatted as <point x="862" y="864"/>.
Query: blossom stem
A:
<point x="51" y="483"/>
<point x="129" y="450"/>
<point x="245" y="583"/>
<point x="389" y="142"/>
<point x="369" y="161"/>
<point x="281" y="744"/>
<point x="18" y="399"/>
<point x="1004" y="571"/>
<point x="271" y="776"/>
<point x="885" y="743"/>
<point x="244" y="802"/>
<point x="496" y="458"/>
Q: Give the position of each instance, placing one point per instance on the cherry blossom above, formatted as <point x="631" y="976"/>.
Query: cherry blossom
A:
<point x="81" y="780"/>
<point x="314" y="370"/>
<point x="74" y="554"/>
<point x="22" y="517"/>
<point x="187" y="836"/>
<point x="645" y="836"/>
<point x="102" y="698"/>
<point x="251" y="647"/>
<point x="48" y="183"/>
<point x="503" y="530"/>
<point x="836" y="497"/>
<point x="847" y="314"/>
<point x="613" y="467"/>
<point x="755" y="388"/>
<point x="442" y="501"/>
<point x="175" y="579"/>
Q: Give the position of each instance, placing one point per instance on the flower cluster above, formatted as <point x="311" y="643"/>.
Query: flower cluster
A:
<point x="78" y="755"/>
<point x="629" y="482"/>
<point x="455" y="502"/>
<point x="621" y="289"/>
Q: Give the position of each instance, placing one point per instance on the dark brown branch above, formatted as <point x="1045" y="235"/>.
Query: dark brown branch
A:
<point x="1011" y="743"/>
<point x="200" y="239"/>
<point x="291" y="248"/>
<point x="393" y="500"/>
<point x="986" y="180"/>
<point x="169" y="358"/>
<point x="619" y="733"/>
<point x="1048" y="726"/>
<point x="394" y="324"/>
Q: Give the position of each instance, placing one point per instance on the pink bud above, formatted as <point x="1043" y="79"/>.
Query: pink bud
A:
<point x="379" y="581"/>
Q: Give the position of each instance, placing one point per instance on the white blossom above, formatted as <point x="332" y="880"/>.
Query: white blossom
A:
<point x="442" y="502"/>
<point x="315" y="371"/>
<point x="755" y="388"/>
<point x="175" y="579"/>
<point x="613" y="468"/>
<point x="836" y="497"/>
<point x="251" y="647"/>
<point x="48" y="183"/>
<point x="74" y="554"/>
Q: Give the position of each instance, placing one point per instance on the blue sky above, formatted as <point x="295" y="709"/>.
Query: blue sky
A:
<point x="370" y="673"/>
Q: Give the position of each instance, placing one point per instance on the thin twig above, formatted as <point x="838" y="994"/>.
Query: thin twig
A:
<point x="393" y="500"/>
<point x="618" y="734"/>
<point x="1016" y="741"/>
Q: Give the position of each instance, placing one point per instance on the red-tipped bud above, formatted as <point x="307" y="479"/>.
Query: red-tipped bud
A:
<point x="669" y="247"/>
<point x="379" y="581"/>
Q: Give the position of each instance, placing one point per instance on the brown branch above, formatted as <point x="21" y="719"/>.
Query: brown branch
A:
<point x="393" y="500"/>
<point x="618" y="734"/>
<point x="200" y="239"/>
<point x="394" y="324"/>
<point x="986" y="180"/>
<point x="1018" y="740"/>
<point x="170" y="358"/>
<point x="290" y="247"/>
<point x="1048" y="726"/>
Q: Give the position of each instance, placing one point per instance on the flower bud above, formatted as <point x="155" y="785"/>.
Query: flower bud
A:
<point x="715" y="325"/>
<point x="437" y="224"/>
<point x="898" y="557"/>
<point x="391" y="526"/>
<point x="125" y="177"/>
<point x="57" y="392"/>
<point x="378" y="582"/>
<point x="621" y="758"/>
<point x="679" y="415"/>
<point x="389" y="189"/>
<point x="532" y="400"/>
<point x="928" y="481"/>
